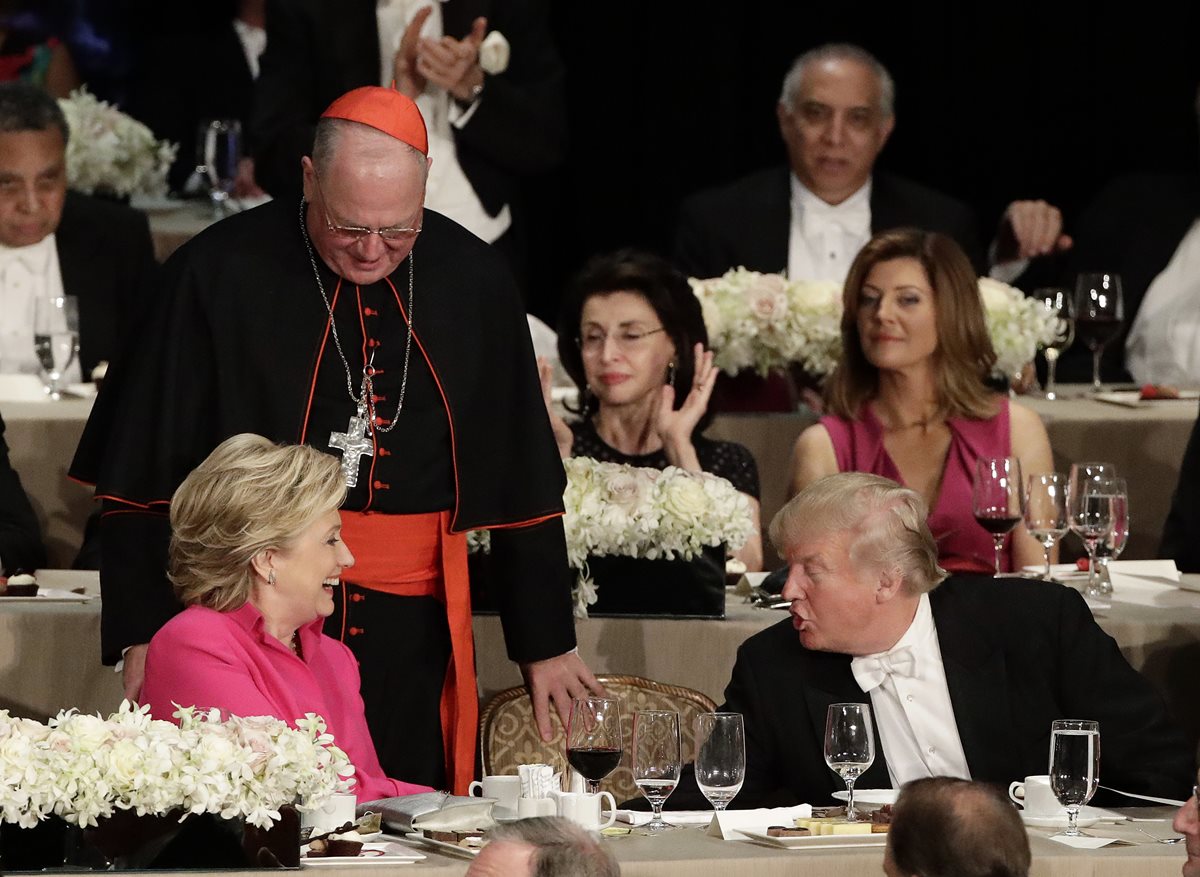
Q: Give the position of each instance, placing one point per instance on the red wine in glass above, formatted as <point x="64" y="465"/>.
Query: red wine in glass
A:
<point x="594" y="763"/>
<point x="998" y="525"/>
<point x="594" y="738"/>
<point x="1096" y="332"/>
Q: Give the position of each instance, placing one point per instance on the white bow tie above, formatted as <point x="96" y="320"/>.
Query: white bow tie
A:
<point x="870" y="672"/>
<point x="35" y="258"/>
<point x="819" y="217"/>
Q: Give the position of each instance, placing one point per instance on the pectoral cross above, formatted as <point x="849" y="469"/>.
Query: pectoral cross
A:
<point x="354" y="444"/>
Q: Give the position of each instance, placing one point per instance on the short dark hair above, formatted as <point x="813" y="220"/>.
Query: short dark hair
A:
<point x="665" y="289"/>
<point x="25" y="107"/>
<point x="947" y="827"/>
<point x="560" y="847"/>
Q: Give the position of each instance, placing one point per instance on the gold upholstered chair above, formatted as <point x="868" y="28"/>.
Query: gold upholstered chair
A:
<point x="508" y="736"/>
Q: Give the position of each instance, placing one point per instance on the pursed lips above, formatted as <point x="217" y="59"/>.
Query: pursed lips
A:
<point x="613" y="378"/>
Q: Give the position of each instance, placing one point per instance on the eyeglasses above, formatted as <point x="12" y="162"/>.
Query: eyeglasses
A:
<point x="355" y="233"/>
<point x="592" y="342"/>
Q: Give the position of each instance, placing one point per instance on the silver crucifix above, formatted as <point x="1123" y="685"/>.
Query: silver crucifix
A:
<point x="354" y="444"/>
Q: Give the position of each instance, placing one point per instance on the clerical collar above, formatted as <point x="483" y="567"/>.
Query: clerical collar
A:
<point x="804" y="198"/>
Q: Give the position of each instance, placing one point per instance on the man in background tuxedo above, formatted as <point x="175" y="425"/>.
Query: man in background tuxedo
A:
<point x="963" y="674"/>
<point x="810" y="219"/>
<point x="54" y="242"/>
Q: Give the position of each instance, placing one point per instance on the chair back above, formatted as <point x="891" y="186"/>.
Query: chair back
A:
<point x="508" y="736"/>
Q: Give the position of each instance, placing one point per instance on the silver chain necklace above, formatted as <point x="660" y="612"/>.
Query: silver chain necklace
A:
<point x="354" y="443"/>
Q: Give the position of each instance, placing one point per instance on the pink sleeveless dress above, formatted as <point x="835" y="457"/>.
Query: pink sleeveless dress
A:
<point x="963" y="545"/>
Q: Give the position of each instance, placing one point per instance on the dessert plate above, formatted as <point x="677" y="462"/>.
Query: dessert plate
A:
<point x="384" y="853"/>
<point x="816" y="842"/>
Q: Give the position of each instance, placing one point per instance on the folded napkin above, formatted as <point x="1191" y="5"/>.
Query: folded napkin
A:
<point x="437" y="811"/>
<point x="725" y="824"/>
<point x="1152" y="583"/>
<point x="1089" y="842"/>
<point x="674" y="817"/>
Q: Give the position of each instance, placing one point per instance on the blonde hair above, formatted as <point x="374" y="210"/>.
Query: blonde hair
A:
<point x="964" y="357"/>
<point x="886" y="523"/>
<point x="249" y="495"/>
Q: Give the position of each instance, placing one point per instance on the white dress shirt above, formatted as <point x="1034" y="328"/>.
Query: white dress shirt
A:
<point x="26" y="275"/>
<point x="448" y="191"/>
<point x="1163" y="346"/>
<point x="254" y="42"/>
<point x="911" y="702"/>
<point x="825" y="238"/>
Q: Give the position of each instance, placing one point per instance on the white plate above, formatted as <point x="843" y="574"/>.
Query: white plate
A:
<point x="373" y="854"/>
<point x="869" y="799"/>
<point x="49" y="595"/>
<point x="156" y="203"/>
<point x="1063" y="572"/>
<point x="816" y="842"/>
<point x="1058" y="821"/>
<point x="417" y="837"/>
<point x="1133" y="398"/>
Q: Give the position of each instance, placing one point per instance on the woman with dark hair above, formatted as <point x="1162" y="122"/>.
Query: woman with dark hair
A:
<point x="631" y="336"/>
<point x="908" y="400"/>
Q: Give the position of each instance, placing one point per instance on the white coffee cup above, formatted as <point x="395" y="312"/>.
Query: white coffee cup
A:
<point x="1035" y="795"/>
<point x="505" y="789"/>
<point x="333" y="814"/>
<point x="587" y="810"/>
<point x="530" y="807"/>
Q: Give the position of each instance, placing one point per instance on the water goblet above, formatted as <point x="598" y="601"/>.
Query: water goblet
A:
<point x="594" y="740"/>
<point x="219" y="151"/>
<point x="996" y="498"/>
<point x="720" y="757"/>
<point x="656" y="760"/>
<point x="1058" y="302"/>
<point x="1110" y="547"/>
<point x="1046" y="511"/>
<point x="849" y="745"/>
<point x="1083" y="474"/>
<point x="1074" y="766"/>
<point x="55" y="339"/>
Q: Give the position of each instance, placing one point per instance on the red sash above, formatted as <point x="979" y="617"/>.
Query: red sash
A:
<point x="418" y="556"/>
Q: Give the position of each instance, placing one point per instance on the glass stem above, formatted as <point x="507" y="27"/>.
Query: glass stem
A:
<point x="1073" y="821"/>
<point x="1046" y="546"/>
<point x="1051" y="366"/>
<point x="998" y="541"/>
<point x="850" y="814"/>
<point x="1091" y="581"/>
<point x="1096" y="385"/>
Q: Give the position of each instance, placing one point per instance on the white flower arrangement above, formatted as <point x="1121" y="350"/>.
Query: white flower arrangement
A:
<point x="765" y="322"/>
<point x="83" y="768"/>
<point x="110" y="152"/>
<point x="629" y="511"/>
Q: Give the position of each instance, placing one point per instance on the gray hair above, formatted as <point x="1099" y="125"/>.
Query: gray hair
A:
<point x="948" y="827"/>
<point x="248" y="495"/>
<point x="561" y="848"/>
<point x="330" y="131"/>
<point x="840" y="52"/>
<point x="886" y="522"/>
<point x="25" y="107"/>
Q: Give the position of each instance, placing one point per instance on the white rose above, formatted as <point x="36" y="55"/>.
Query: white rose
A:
<point x="684" y="497"/>
<point x="126" y="763"/>
<point x="625" y="490"/>
<point x="494" y="53"/>
<point x="88" y="732"/>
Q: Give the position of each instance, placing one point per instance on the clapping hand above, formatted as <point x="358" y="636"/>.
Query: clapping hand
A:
<point x="562" y="433"/>
<point x="1029" y="229"/>
<point x="675" y="426"/>
<point x="409" y="80"/>
<point x="454" y="64"/>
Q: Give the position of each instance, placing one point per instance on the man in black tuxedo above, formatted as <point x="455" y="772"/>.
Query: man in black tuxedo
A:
<point x="55" y="242"/>
<point x="963" y="674"/>
<point x="21" y="545"/>
<point x="810" y="219"/>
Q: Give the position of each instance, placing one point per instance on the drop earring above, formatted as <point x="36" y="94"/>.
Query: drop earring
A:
<point x="271" y="577"/>
<point x="671" y="374"/>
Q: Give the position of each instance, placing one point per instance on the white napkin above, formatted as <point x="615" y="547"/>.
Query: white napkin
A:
<point x="1088" y="842"/>
<point x="674" y="817"/>
<point x="538" y="780"/>
<point x="1150" y="583"/>
<point x="725" y="824"/>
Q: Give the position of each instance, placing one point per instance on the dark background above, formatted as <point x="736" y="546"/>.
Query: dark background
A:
<point x="993" y="103"/>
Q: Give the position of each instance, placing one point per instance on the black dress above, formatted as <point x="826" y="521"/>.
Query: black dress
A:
<point x="634" y="586"/>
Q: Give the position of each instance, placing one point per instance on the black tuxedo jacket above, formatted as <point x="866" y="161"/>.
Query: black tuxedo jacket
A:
<point x="1133" y="228"/>
<point x="747" y="222"/>
<point x="20" y="537"/>
<point x="318" y="50"/>
<point x="106" y="258"/>
<point x="1018" y="654"/>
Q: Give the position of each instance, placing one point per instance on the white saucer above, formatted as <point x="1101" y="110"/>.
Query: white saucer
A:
<point x="1058" y="821"/>
<point x="869" y="799"/>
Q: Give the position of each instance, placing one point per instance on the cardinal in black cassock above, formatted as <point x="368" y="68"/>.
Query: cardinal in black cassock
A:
<point x="301" y="324"/>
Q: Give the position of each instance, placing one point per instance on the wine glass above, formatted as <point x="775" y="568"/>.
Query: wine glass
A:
<point x="1057" y="301"/>
<point x="55" y="338"/>
<point x="1113" y="542"/>
<point x="1074" y="766"/>
<point x="849" y="745"/>
<point x="720" y="757"/>
<point x="1083" y="474"/>
<point x="594" y="742"/>
<point x="218" y="152"/>
<point x="1046" y="511"/>
<point x="656" y="760"/>
<point x="996" y="498"/>
<point x="1099" y="311"/>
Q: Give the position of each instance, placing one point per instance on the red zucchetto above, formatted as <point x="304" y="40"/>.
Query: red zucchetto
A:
<point x="384" y="109"/>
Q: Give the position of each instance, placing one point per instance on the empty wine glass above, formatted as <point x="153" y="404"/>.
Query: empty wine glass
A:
<point x="594" y="741"/>
<point x="1074" y="766"/>
<point x="996" y="498"/>
<point x="1099" y="311"/>
<point x="720" y="756"/>
<point x="1046" y="511"/>
<point x="55" y="338"/>
<point x="656" y="759"/>
<point x="218" y="151"/>
<point x="1056" y="301"/>
<point x="1083" y="474"/>
<point x="1113" y="542"/>
<point x="849" y="745"/>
